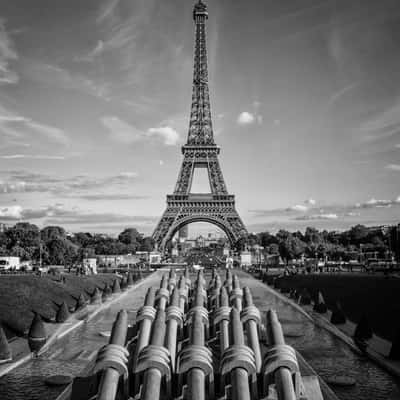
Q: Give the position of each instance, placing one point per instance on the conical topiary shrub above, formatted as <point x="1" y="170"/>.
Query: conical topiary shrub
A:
<point x="37" y="334"/>
<point x="305" y="297"/>
<point x="124" y="284"/>
<point x="105" y="295"/>
<point x="363" y="329"/>
<point x="395" y="350"/>
<point x="5" y="349"/>
<point x="96" y="297"/>
<point x="62" y="313"/>
<point x="285" y="287"/>
<point x="277" y="283"/>
<point x="116" y="288"/>
<point x="81" y="301"/>
<point x="319" y="305"/>
<point x="130" y="279"/>
<point x="338" y="317"/>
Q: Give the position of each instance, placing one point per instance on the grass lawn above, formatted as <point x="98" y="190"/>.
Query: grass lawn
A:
<point x="377" y="297"/>
<point x="21" y="295"/>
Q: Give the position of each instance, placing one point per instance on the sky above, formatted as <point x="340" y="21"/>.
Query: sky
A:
<point x="95" y="100"/>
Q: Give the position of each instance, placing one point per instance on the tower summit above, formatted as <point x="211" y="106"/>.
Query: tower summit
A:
<point x="200" y="151"/>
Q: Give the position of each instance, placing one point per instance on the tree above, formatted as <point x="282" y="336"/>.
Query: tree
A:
<point x="130" y="236"/>
<point x="83" y="239"/>
<point x="266" y="239"/>
<point x="23" y="234"/>
<point x="52" y="232"/>
<point x="62" y="251"/>
<point x="273" y="248"/>
<point x="291" y="248"/>
<point x="313" y="236"/>
<point x="147" y="244"/>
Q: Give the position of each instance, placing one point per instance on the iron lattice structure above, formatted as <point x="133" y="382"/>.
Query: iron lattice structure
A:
<point x="200" y="151"/>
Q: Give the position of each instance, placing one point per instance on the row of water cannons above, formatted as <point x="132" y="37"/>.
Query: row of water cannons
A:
<point x="37" y="335"/>
<point x="198" y="341"/>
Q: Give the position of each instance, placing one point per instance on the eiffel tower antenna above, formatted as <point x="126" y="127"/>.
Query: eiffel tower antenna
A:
<point x="200" y="151"/>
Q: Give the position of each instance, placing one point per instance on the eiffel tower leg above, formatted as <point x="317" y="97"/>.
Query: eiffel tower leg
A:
<point x="162" y="229"/>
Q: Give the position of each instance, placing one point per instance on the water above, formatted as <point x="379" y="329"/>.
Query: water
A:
<point x="326" y="354"/>
<point x="71" y="355"/>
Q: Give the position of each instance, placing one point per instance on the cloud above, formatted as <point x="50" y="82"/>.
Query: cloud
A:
<point x="96" y="51"/>
<point x="112" y="196"/>
<point x="245" y="118"/>
<point x="106" y="10"/>
<point x="248" y="118"/>
<point x="384" y="125"/>
<point x="310" y="202"/>
<point x="78" y="217"/>
<point x="298" y="207"/>
<point x="55" y="76"/>
<point x="27" y="182"/>
<point x="312" y="217"/>
<point x="15" y="125"/>
<point x="169" y="135"/>
<point x="11" y="213"/>
<point x="60" y="215"/>
<point x="336" y="96"/>
<point x="378" y="203"/>
<point x="7" y="54"/>
<point x="32" y="157"/>
<point x="329" y="211"/>
<point x="393" y="167"/>
<point x="121" y="131"/>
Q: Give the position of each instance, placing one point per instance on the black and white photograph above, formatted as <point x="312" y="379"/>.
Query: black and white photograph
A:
<point x="199" y="199"/>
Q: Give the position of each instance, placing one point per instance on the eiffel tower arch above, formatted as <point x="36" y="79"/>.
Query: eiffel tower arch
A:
<point x="200" y="151"/>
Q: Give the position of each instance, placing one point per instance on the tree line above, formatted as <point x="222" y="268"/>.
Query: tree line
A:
<point x="54" y="246"/>
<point x="337" y="246"/>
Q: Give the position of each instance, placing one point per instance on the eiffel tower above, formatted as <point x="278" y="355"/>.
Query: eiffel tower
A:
<point x="200" y="151"/>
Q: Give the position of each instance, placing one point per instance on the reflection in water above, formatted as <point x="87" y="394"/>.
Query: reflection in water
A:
<point x="325" y="353"/>
<point x="70" y="355"/>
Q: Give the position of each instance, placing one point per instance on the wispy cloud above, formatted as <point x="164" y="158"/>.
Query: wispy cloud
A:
<point x="393" y="167"/>
<point x="298" y="207"/>
<point x="123" y="132"/>
<point x="384" y="125"/>
<point x="339" y="94"/>
<point x="245" y="118"/>
<point x="251" y="117"/>
<point x="26" y="182"/>
<point x="378" y="203"/>
<point x="112" y="196"/>
<point x="59" y="215"/>
<point x="32" y="157"/>
<point x="106" y="10"/>
<point x="313" y="217"/>
<point x="11" y="213"/>
<point x="8" y="54"/>
<point x="169" y="136"/>
<point x="56" y="76"/>
<point x="328" y="211"/>
<point x="15" y="125"/>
